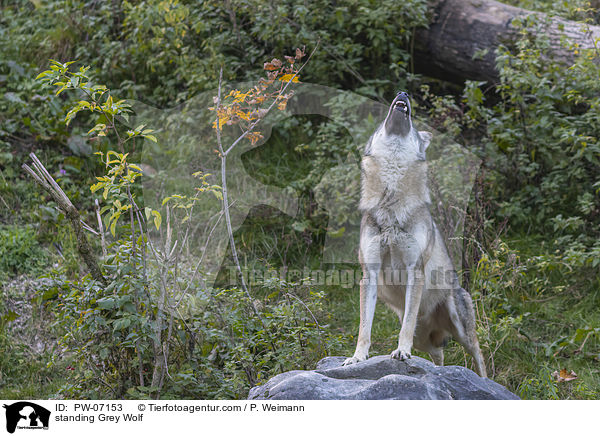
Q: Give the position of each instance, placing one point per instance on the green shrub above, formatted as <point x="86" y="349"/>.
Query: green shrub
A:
<point x="20" y="252"/>
<point x="219" y="347"/>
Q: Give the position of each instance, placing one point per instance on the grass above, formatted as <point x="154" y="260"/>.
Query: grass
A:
<point x="28" y="347"/>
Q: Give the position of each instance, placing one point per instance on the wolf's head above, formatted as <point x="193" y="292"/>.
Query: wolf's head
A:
<point x="399" y="128"/>
<point x="398" y="121"/>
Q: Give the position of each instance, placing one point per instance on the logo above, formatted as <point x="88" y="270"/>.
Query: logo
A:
<point x="26" y="415"/>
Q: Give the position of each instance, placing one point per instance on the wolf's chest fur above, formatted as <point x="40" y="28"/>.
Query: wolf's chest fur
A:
<point x="392" y="189"/>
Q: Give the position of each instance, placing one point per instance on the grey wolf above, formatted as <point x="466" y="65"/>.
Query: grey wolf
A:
<point x="399" y="235"/>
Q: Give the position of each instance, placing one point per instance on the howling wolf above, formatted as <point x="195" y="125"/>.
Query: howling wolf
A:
<point x="402" y="253"/>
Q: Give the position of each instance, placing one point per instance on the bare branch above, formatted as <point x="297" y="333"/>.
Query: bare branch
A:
<point x="46" y="181"/>
<point x="224" y="193"/>
<point x="100" y="227"/>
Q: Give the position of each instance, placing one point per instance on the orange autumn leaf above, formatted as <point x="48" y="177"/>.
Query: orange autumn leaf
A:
<point x="254" y="137"/>
<point x="275" y="64"/>
<point x="564" y="376"/>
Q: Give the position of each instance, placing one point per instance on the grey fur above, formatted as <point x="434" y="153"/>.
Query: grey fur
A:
<point x="399" y="234"/>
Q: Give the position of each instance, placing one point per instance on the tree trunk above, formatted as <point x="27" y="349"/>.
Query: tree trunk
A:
<point x="463" y="36"/>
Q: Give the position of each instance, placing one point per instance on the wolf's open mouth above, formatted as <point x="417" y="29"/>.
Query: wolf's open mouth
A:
<point x="402" y="107"/>
<point x="398" y="120"/>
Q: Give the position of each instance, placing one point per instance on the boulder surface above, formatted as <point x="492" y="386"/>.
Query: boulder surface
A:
<point x="381" y="378"/>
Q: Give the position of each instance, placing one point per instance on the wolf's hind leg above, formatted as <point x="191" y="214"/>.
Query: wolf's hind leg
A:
<point x="437" y="340"/>
<point x="437" y="355"/>
<point x="462" y="317"/>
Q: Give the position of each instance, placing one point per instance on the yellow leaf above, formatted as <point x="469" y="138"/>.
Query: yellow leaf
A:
<point x="157" y="219"/>
<point x="288" y="77"/>
<point x="222" y="120"/>
<point x="244" y="116"/>
<point x="42" y="74"/>
<point x="239" y="98"/>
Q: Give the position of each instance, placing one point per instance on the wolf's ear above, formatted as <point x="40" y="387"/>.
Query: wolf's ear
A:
<point x="425" y="139"/>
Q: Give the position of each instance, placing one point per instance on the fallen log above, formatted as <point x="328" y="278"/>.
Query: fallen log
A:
<point x="463" y="36"/>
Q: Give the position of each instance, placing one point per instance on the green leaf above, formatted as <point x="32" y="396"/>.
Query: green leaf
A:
<point x="299" y="226"/>
<point x="129" y="307"/>
<point x="10" y="316"/>
<point x="337" y="233"/>
<point x="106" y="303"/>
<point x="43" y="74"/>
<point x="49" y="294"/>
<point x="104" y="353"/>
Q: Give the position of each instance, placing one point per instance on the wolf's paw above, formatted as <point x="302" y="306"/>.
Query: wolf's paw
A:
<point x="400" y="354"/>
<point x="354" y="359"/>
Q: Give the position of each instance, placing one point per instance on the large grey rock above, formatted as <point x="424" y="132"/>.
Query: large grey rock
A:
<point x="381" y="378"/>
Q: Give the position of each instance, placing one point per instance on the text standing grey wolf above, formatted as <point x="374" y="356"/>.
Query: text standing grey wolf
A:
<point x="398" y="234"/>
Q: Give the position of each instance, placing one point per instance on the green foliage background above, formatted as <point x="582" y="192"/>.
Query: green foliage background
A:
<point x="532" y="247"/>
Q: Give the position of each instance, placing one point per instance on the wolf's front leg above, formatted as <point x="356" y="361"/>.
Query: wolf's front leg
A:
<point x="414" y="290"/>
<point x="370" y="259"/>
<point x="368" y="301"/>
